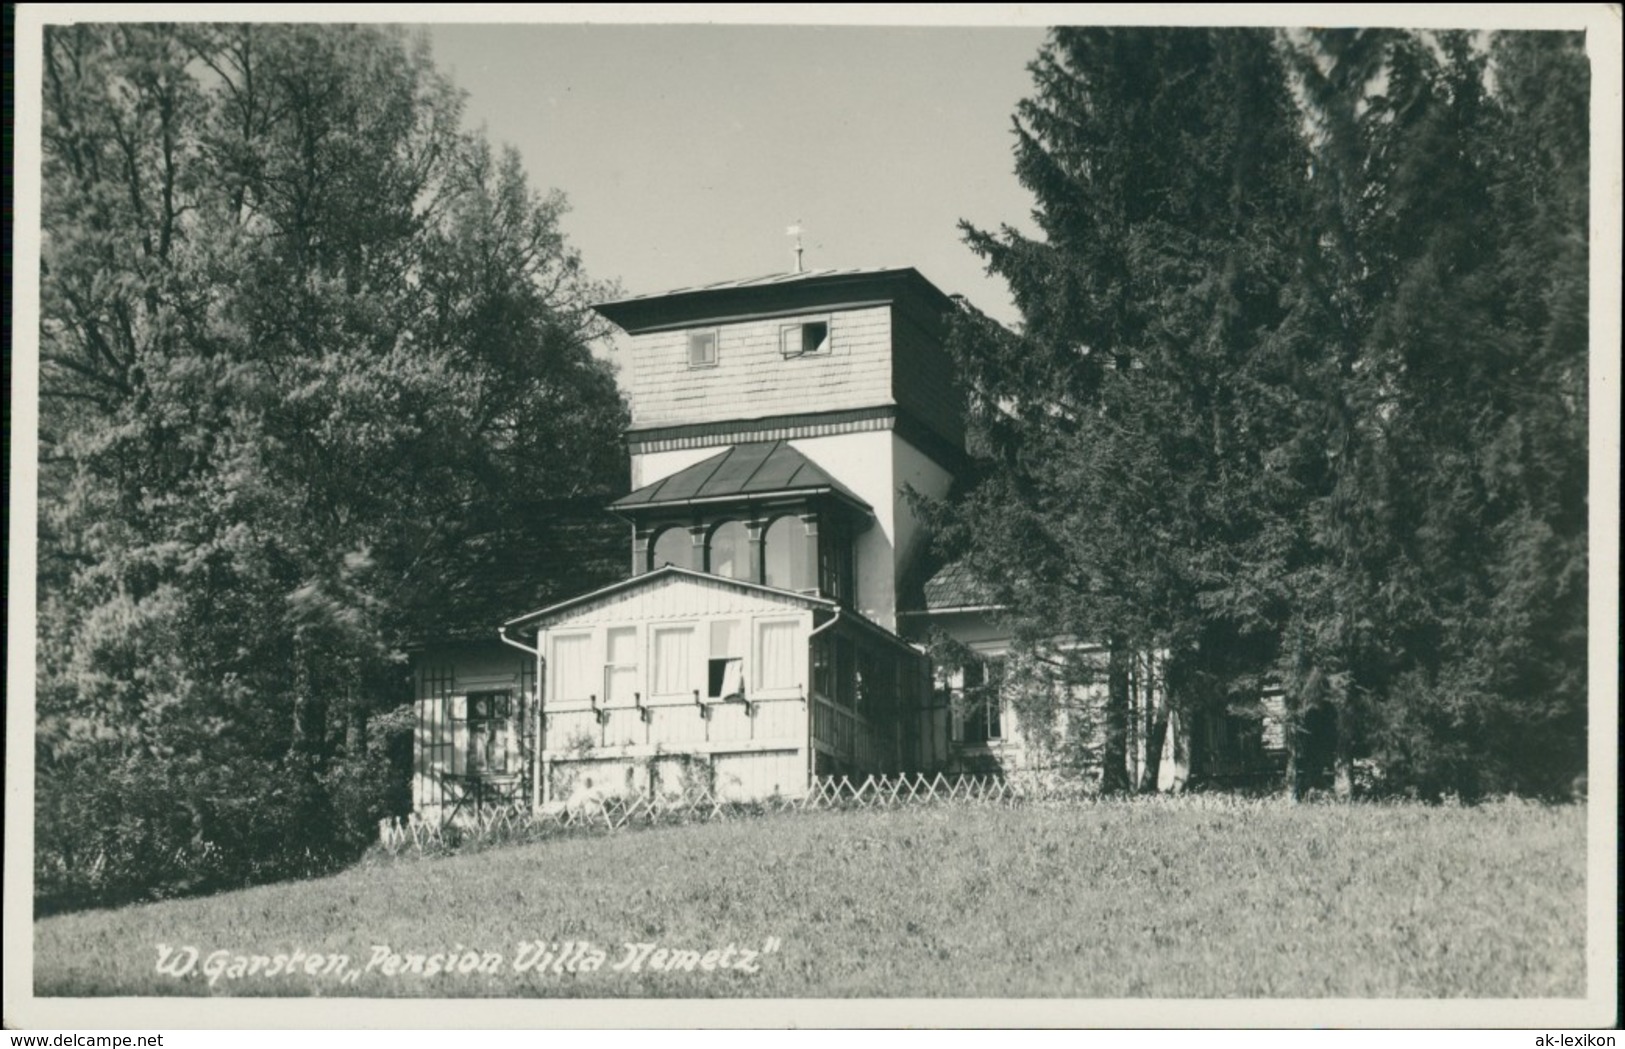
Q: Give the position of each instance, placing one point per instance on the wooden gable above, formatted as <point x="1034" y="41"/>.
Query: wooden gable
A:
<point x="678" y="596"/>
<point x="667" y="593"/>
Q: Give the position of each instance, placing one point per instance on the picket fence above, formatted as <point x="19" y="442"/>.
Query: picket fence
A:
<point x="517" y="821"/>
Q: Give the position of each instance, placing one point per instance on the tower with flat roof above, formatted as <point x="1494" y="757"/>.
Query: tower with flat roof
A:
<point x="778" y="423"/>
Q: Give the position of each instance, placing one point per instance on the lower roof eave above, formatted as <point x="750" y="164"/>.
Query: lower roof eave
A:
<point x="949" y="610"/>
<point x="788" y="496"/>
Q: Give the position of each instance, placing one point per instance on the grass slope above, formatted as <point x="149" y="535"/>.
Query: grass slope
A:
<point x="1195" y="897"/>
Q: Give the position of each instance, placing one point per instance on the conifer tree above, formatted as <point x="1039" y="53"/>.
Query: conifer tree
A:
<point x="1129" y="424"/>
<point x="1432" y="570"/>
<point x="1301" y="410"/>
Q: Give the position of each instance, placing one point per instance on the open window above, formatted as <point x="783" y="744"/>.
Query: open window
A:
<point x="725" y="670"/>
<point x="804" y="339"/>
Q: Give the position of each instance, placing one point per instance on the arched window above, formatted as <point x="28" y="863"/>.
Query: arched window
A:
<point x="728" y="553"/>
<point x="672" y="547"/>
<point x="785" y="555"/>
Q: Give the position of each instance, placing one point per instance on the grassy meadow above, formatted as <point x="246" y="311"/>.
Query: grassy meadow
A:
<point x="1201" y="896"/>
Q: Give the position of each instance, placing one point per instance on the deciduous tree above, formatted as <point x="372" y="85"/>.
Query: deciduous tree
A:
<point x="306" y="345"/>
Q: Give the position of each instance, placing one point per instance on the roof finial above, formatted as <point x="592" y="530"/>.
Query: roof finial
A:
<point x="796" y="231"/>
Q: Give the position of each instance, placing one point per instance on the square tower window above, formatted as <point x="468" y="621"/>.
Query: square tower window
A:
<point x="805" y="339"/>
<point x="702" y="349"/>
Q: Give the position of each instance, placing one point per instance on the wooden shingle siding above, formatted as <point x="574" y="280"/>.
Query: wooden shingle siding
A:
<point x="924" y="381"/>
<point x="751" y="378"/>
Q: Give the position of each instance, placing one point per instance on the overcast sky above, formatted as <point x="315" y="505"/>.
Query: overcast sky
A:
<point x="686" y="151"/>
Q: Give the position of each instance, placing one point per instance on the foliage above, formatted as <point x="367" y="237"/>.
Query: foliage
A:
<point x="1291" y="403"/>
<point x="1199" y="896"/>
<point x="1435" y="568"/>
<point x="1126" y="428"/>
<point x="304" y="343"/>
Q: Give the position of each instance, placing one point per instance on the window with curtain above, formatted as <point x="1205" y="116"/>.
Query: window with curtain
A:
<point x="776" y="661"/>
<point x="673" y="653"/>
<point x="574" y="668"/>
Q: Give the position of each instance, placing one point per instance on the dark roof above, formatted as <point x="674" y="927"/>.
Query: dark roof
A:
<point x="756" y="470"/>
<point x="777" y="293"/>
<point x="955" y="586"/>
<point x="806" y="276"/>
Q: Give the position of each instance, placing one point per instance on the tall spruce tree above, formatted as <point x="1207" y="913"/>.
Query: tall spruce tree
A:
<point x="1306" y="409"/>
<point x="1129" y="427"/>
<point x="1537" y="451"/>
<point x="1435" y="572"/>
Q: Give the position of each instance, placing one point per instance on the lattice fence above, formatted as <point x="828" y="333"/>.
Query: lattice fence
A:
<point x="517" y="822"/>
